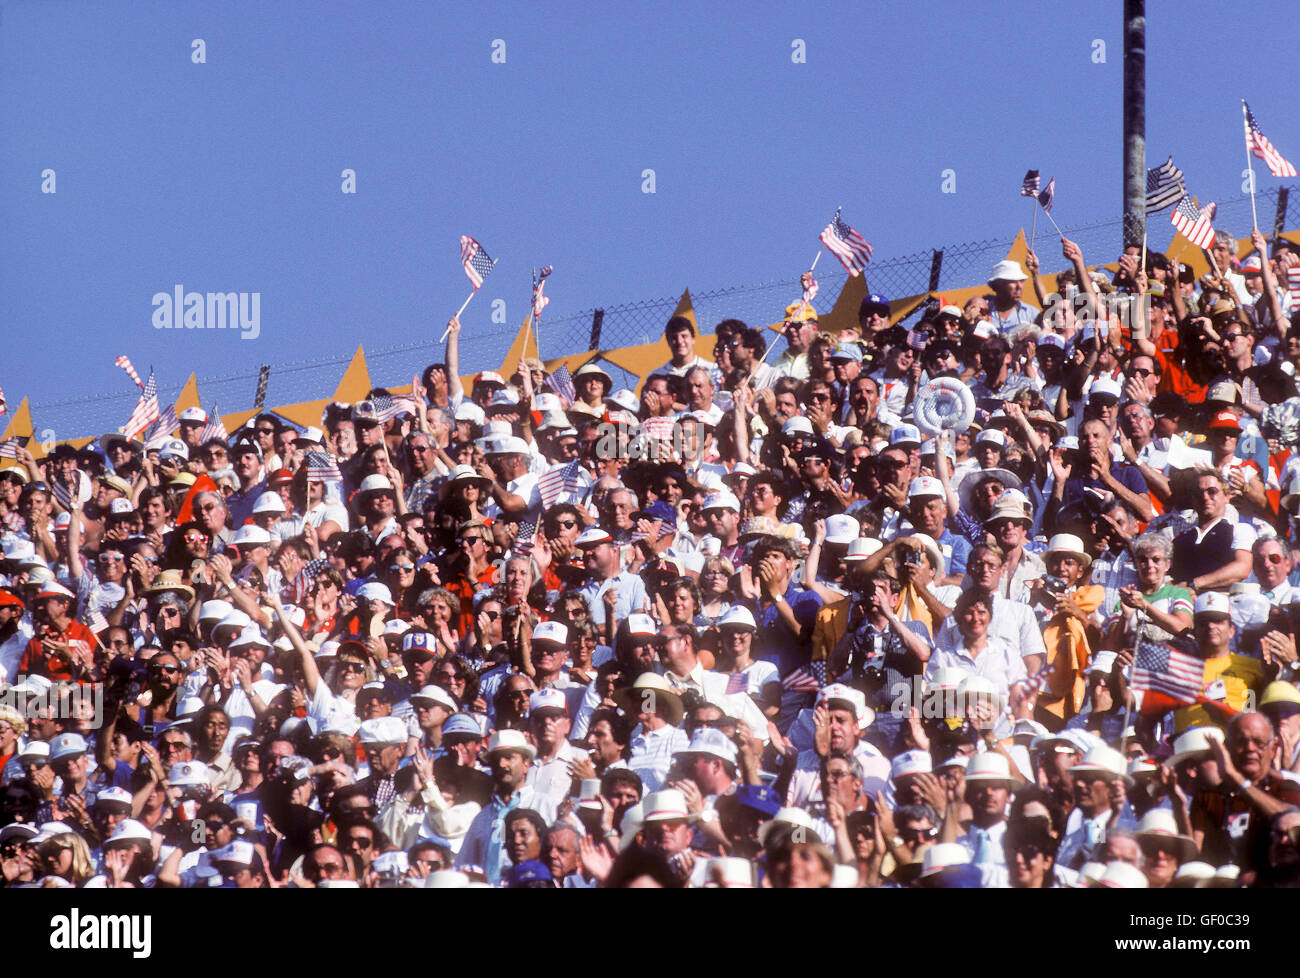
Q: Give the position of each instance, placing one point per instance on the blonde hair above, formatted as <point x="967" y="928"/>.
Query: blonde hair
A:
<point x="12" y="717"/>
<point x="81" y="869"/>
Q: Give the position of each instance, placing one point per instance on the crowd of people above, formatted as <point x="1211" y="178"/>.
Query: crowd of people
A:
<point x="762" y="623"/>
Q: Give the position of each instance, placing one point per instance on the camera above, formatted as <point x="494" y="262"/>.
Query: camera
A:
<point x="1053" y="585"/>
<point x="912" y="557"/>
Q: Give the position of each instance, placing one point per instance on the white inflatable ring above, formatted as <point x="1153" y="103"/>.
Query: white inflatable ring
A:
<point x="944" y="404"/>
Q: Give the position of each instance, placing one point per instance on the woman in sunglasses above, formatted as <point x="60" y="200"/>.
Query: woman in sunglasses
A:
<point x="189" y="542"/>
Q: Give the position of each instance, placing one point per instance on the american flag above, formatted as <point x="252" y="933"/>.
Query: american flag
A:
<point x="476" y="261"/>
<point x="524" y="537"/>
<point x="215" y="428"/>
<point x="540" y="300"/>
<point x="1048" y="195"/>
<point x="809" y="286"/>
<point x="737" y="682"/>
<point x="167" y="423"/>
<point x="3" y="405"/>
<point x="847" y="245"/>
<point x="95" y="620"/>
<point x="1167" y="676"/>
<point x="321" y="467"/>
<point x="803" y="680"/>
<point x="561" y="381"/>
<point x="146" y="410"/>
<point x="659" y="429"/>
<point x="559" y="480"/>
<point x="1193" y="223"/>
<point x="9" y="447"/>
<point x="389" y="406"/>
<point x="1262" y="148"/>
<point x="1164" y="186"/>
<point x="125" y="364"/>
<point x="1029" y="186"/>
<point x="1293" y="284"/>
<point x="63" y="494"/>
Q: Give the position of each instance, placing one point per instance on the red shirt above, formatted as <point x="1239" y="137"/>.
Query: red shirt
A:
<point x="35" y="661"/>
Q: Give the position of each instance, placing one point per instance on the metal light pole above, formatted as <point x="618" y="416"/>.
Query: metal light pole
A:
<point x="1135" y="120"/>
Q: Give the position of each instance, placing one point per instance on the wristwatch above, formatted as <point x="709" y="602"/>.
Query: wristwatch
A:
<point x="1244" y="785"/>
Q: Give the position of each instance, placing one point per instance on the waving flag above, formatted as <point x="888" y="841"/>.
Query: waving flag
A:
<point x="1048" y="195"/>
<point x="847" y="245"/>
<point x="1029" y="186"/>
<point x="321" y="467"/>
<point x="1262" y="148"/>
<point x="125" y="364"/>
<point x="1194" y="223"/>
<point x="9" y="447"/>
<point x="1167" y="675"/>
<point x="558" y="481"/>
<point x="803" y="680"/>
<point x="476" y="261"/>
<point x="561" y="381"/>
<point x="1164" y="186"/>
<point x="215" y="428"/>
<point x="146" y="410"/>
<point x="3" y="405"/>
<point x="540" y="300"/>
<point x="525" y="537"/>
<point x="167" y="423"/>
<point x="389" y="406"/>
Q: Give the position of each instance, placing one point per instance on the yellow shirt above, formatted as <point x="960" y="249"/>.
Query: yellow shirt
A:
<point x="1241" y="675"/>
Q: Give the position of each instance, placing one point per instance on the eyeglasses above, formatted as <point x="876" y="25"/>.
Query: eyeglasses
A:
<point x="360" y="843"/>
<point x="1142" y="372"/>
<point x="352" y="667"/>
<point x="167" y="669"/>
<point x="1270" y="558"/>
<point x="401" y="567"/>
<point x="565" y="524"/>
<point x="195" y="538"/>
<point x="111" y="558"/>
<point x="468" y="541"/>
<point x="171" y="746"/>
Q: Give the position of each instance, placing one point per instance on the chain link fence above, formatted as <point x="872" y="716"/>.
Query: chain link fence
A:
<point x="635" y="323"/>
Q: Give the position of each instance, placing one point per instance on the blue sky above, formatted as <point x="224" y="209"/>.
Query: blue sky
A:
<point x="225" y="176"/>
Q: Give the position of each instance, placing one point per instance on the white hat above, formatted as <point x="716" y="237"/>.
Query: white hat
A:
<point x="626" y="400"/>
<point x="715" y="743"/>
<point x="722" y="500"/>
<point x="589" y="794"/>
<point x="910" y="762"/>
<point x="189" y="774"/>
<point x="509" y="445"/>
<point x="1122" y="876"/>
<point x="592" y="536"/>
<point x="235" y="619"/>
<point x="989" y="767"/>
<point x="1104" y="662"/>
<point x="853" y="697"/>
<point x="842" y="529"/>
<point x="375" y="483"/>
<point x="269" y="502"/>
<point x="215" y="610"/>
<point x="374" y="591"/>
<point x="738" y="616"/>
<point x="1159" y="824"/>
<point x="53" y="589"/>
<point x="505" y="397"/>
<point x="925" y="485"/>
<point x="1007" y="271"/>
<point x="1105" y="387"/>
<point x="1192" y="874"/>
<point x="1195" y="743"/>
<point x="177" y="449"/>
<point x="436" y="695"/>
<point x="129" y="832"/>
<point x="796" y="817"/>
<point x="548" y="699"/>
<point x="115" y="796"/>
<point x="943" y="855"/>
<point x="1068" y="543"/>
<point x="250" y="635"/>
<point x="396" y="627"/>
<point x="639" y="623"/>
<point x="798" y="425"/>
<point x="1213" y="603"/>
<point x="382" y="730"/>
<point x="992" y="435"/>
<point x="551" y="631"/>
<point x="905" y="434"/>
<point x="311" y="436"/>
<point x="860" y="548"/>
<point x="197" y="415"/>
<point x="505" y="740"/>
<point x="1103" y="760"/>
<point x="252" y="535"/>
<point x="237" y="853"/>
<point x="446" y="879"/>
<point x="469" y="411"/>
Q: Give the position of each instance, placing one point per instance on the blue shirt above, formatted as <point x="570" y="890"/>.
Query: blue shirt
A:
<point x="631" y="596"/>
<point x="775" y="643"/>
<point x="1126" y="475"/>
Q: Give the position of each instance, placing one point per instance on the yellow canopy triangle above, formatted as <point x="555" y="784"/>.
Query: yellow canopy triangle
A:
<point x="355" y="384"/>
<point x="20" y="423"/>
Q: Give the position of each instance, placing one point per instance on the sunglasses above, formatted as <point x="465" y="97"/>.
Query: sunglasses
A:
<point x="167" y="669"/>
<point x="401" y="567"/>
<point x="1270" y="558"/>
<point x="111" y="559"/>
<point x="352" y="667"/>
<point x="196" y="537"/>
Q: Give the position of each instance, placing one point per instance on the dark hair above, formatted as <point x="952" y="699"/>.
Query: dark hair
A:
<point x="636" y="862"/>
<point x="678" y="323"/>
<point x="528" y="815"/>
<point x="1027" y="795"/>
<point x="620" y="775"/>
<point x="619" y="728"/>
<point x="973" y="596"/>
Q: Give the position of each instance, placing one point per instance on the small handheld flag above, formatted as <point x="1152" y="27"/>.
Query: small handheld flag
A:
<point x="1260" y="147"/>
<point x="1164" y="186"/>
<point x="1029" y="187"/>
<point x="847" y="245"/>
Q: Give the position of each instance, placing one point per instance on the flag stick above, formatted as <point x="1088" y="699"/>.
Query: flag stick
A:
<point x="443" y="338"/>
<point x="1143" y="266"/>
<point x="816" y="258"/>
<point x="1053" y="220"/>
<point x="1250" y="167"/>
<point x="537" y="319"/>
<point x="1033" y="228"/>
